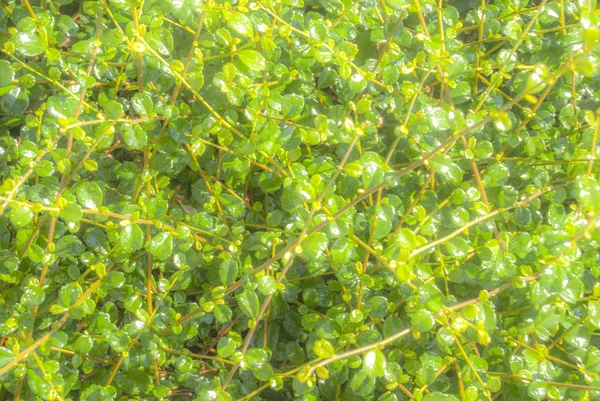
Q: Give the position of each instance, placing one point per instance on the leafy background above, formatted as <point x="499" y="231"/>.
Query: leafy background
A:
<point x="312" y="200"/>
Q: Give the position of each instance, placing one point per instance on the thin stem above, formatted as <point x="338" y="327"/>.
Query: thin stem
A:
<point x="549" y="383"/>
<point x="482" y="219"/>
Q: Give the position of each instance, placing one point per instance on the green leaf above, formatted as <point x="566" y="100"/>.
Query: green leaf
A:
<point x="579" y="336"/>
<point x="44" y="168"/>
<point x="38" y="385"/>
<point x="6" y="356"/>
<point x="373" y="173"/>
<point x="458" y="247"/>
<point x="357" y="83"/>
<point x="438" y="119"/>
<point x="392" y="325"/>
<point x="225" y="347"/>
<point x="520" y="244"/>
<point x="594" y="313"/>
<point x="142" y="104"/>
<point x="113" y="109"/>
<point x="497" y="174"/>
<point x="362" y="383"/>
<point x="21" y="216"/>
<point x="343" y="250"/>
<point x="257" y="357"/>
<point x="248" y="303"/>
<point x="383" y="221"/>
<point x="323" y="349"/>
<point x="196" y="79"/>
<point x="15" y="101"/>
<point x="114" y="279"/>
<point x="64" y="166"/>
<point x="267" y="285"/>
<point x="537" y="390"/>
<point x="437" y="396"/>
<point x="588" y="193"/>
<point x="97" y="392"/>
<point x="161" y="246"/>
<point x="449" y="171"/>
<point x="118" y="341"/>
<point x="135" y="137"/>
<point x="133" y="304"/>
<point x="397" y="4"/>
<point x="457" y="65"/>
<point x="228" y="271"/>
<point x="69" y="294"/>
<point x="9" y="262"/>
<point x="96" y="240"/>
<point x="223" y="313"/>
<point x="83" y="344"/>
<point x="264" y="372"/>
<point x="161" y="40"/>
<point x="32" y="296"/>
<point x="252" y="59"/>
<point x="313" y="246"/>
<point x="239" y="22"/>
<point x="431" y="297"/>
<point x="374" y="363"/>
<point x="135" y="384"/>
<point x="6" y="73"/>
<point x="298" y="193"/>
<point x="28" y="44"/>
<point x="404" y="272"/>
<point x="68" y="246"/>
<point x="90" y="195"/>
<point x="422" y="321"/>
<point x="131" y="238"/>
<point x="302" y="387"/>
<point x="160" y="391"/>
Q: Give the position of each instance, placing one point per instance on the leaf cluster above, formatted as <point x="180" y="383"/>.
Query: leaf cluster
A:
<point x="299" y="200"/>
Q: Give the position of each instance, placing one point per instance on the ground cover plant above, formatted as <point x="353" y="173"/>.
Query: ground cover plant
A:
<point x="299" y="200"/>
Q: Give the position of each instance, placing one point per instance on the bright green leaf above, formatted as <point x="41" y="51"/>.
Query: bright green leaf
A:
<point x="252" y="59"/>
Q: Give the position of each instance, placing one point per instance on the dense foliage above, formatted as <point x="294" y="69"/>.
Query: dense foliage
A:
<point x="312" y="200"/>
